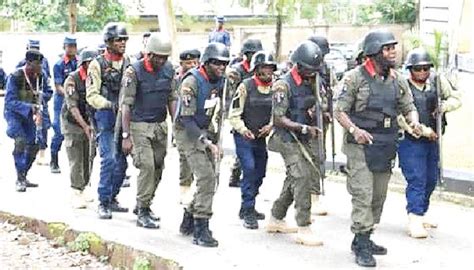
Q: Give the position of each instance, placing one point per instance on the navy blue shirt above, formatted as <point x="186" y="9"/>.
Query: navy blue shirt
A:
<point x="220" y="36"/>
<point x="62" y="68"/>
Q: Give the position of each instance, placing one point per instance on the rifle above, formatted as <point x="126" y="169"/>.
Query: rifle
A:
<point x="439" y="132"/>
<point x="39" y="128"/>
<point x="217" y="161"/>
<point x="320" y="125"/>
<point x="92" y="145"/>
<point x="330" y="96"/>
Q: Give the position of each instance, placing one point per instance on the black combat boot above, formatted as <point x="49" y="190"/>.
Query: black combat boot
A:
<point x="250" y="219"/>
<point x="28" y="183"/>
<point x="187" y="225"/>
<point x="202" y="235"/>
<point x="116" y="207"/>
<point x="20" y="182"/>
<point x="376" y="249"/>
<point x="54" y="165"/>
<point x="104" y="211"/>
<point x="144" y="219"/>
<point x="258" y="215"/>
<point x="363" y="250"/>
<point x="152" y="215"/>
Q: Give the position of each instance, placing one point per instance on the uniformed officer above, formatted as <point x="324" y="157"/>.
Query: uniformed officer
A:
<point x="188" y="60"/>
<point x="295" y="102"/>
<point x="62" y="68"/>
<point x="103" y="84"/>
<point x="372" y="96"/>
<point x="34" y="44"/>
<point x="419" y="155"/>
<point x="328" y="82"/>
<point x="250" y="116"/>
<point x="201" y="93"/>
<point x="219" y="34"/>
<point x="141" y="53"/>
<point x="236" y="74"/>
<point x="148" y="92"/>
<point x="77" y="127"/>
<point x="26" y="93"/>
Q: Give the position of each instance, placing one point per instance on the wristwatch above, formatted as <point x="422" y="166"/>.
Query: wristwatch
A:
<point x="352" y="129"/>
<point x="304" y="129"/>
<point x="125" y="135"/>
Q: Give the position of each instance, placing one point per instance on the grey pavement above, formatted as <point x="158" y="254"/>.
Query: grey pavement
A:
<point x="449" y="246"/>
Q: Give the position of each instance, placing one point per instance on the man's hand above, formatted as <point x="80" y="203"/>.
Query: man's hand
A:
<point x="417" y="128"/>
<point x="127" y="146"/>
<point x="362" y="136"/>
<point x="433" y="136"/>
<point x="37" y="118"/>
<point x="88" y="132"/>
<point x="314" y="132"/>
<point x="264" y="131"/>
<point x="327" y="117"/>
<point x="216" y="152"/>
<point x="248" y="135"/>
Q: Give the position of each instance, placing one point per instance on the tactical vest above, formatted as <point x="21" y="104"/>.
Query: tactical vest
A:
<point x="25" y="93"/>
<point x="426" y="103"/>
<point x="379" y="118"/>
<point x="82" y="105"/>
<point x="204" y="91"/>
<point x="111" y="78"/>
<point x="258" y="107"/>
<point x="153" y="90"/>
<point x="301" y="99"/>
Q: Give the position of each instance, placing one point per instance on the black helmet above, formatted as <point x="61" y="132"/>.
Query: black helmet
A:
<point x="251" y="46"/>
<point x="87" y="55"/>
<point x="215" y="50"/>
<point x="322" y="42"/>
<point x="114" y="30"/>
<point x="308" y="55"/>
<point x="418" y="57"/>
<point x="376" y="39"/>
<point x="262" y="58"/>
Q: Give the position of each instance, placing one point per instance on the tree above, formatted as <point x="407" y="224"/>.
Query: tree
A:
<point x="69" y="15"/>
<point x="167" y="22"/>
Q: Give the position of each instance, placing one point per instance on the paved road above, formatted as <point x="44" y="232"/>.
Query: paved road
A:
<point x="449" y="246"/>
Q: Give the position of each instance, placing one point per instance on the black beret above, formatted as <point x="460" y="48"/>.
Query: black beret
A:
<point x="32" y="55"/>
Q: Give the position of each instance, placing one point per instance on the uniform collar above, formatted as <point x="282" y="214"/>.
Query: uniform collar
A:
<point x="369" y="66"/>
<point x="203" y="72"/>
<point x="245" y="65"/>
<point x="296" y="76"/>
<point x="67" y="58"/>
<point x="259" y="82"/>
<point x="147" y="64"/>
<point x="220" y="30"/>
<point x="82" y="73"/>
<point x="112" y="56"/>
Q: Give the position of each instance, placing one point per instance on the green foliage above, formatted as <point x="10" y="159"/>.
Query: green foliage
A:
<point x="397" y="11"/>
<point x="84" y="242"/>
<point x="92" y="14"/>
<point x="141" y="263"/>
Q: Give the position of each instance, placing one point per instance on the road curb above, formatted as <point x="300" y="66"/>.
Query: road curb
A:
<point x="119" y="255"/>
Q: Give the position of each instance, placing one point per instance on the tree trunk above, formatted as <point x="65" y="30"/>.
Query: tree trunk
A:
<point x="72" y="15"/>
<point x="167" y="23"/>
<point x="279" y="23"/>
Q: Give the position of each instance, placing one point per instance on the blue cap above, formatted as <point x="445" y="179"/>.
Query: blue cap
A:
<point x="33" y="43"/>
<point x="220" y="19"/>
<point x="69" y="40"/>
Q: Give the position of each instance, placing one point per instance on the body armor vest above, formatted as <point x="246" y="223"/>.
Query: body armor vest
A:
<point x="258" y="107"/>
<point x="379" y="118"/>
<point x="301" y="99"/>
<point x="80" y="88"/>
<point x="111" y="78"/>
<point x="153" y="90"/>
<point x="204" y="91"/>
<point x="426" y="102"/>
<point x="25" y="93"/>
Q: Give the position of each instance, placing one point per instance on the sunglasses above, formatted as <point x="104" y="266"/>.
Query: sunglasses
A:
<point x="216" y="62"/>
<point x="420" y="68"/>
<point x="120" y="39"/>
